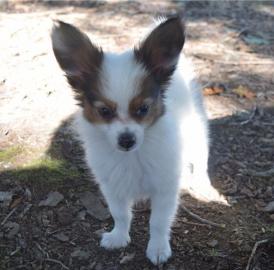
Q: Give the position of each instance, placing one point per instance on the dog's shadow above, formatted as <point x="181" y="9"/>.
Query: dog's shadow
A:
<point x="238" y="142"/>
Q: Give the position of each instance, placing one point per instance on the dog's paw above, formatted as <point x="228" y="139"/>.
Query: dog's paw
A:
<point x="111" y="240"/>
<point x="158" y="252"/>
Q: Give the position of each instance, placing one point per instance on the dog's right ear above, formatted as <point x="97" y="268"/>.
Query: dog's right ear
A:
<point x="160" y="50"/>
<point x="76" y="55"/>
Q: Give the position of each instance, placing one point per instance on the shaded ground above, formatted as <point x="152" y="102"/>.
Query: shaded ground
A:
<point x="231" y="44"/>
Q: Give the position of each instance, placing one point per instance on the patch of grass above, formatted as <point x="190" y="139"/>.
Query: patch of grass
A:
<point x="213" y="252"/>
<point x="270" y="228"/>
<point x="10" y="153"/>
<point x="45" y="171"/>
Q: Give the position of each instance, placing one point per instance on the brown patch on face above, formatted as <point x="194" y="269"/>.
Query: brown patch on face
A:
<point x="93" y="110"/>
<point x="150" y="97"/>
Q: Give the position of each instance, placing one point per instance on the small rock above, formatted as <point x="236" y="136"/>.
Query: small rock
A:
<point x="28" y="194"/>
<point x="260" y="203"/>
<point x="61" y="236"/>
<point x="82" y="215"/>
<point x="268" y="192"/>
<point x="5" y="198"/>
<point x="94" y="205"/>
<point x="269" y="207"/>
<point x="53" y="198"/>
<point x="127" y="258"/>
<point x="85" y="224"/>
<point x="65" y="216"/>
<point x="213" y="243"/>
<point x="12" y="229"/>
<point x="80" y="254"/>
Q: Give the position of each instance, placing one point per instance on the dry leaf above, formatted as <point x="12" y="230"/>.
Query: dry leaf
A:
<point x="16" y="202"/>
<point x="213" y="90"/>
<point x="245" y="92"/>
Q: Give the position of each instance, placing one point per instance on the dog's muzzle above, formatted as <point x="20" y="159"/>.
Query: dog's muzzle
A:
<point x="126" y="141"/>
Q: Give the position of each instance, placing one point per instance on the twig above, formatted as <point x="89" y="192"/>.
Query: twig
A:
<point x="41" y="249"/>
<point x="55" y="231"/>
<point x="26" y="209"/>
<point x="39" y="54"/>
<point x="257" y="244"/>
<point x="15" y="251"/>
<point x="8" y="216"/>
<point x="211" y="223"/>
<point x="56" y="261"/>
<point x="195" y="224"/>
<point x="251" y="116"/>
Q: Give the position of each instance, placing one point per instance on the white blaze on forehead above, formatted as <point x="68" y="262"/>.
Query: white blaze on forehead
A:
<point x="121" y="77"/>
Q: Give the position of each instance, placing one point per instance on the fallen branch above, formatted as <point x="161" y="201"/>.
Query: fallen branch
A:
<point x="56" y="261"/>
<point x="8" y="216"/>
<point x="257" y="244"/>
<point x="211" y="223"/>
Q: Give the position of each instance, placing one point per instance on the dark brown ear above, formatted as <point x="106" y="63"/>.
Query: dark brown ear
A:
<point x="76" y="55"/>
<point x="160" y="51"/>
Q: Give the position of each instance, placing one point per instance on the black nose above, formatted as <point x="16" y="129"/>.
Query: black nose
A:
<point x="126" y="140"/>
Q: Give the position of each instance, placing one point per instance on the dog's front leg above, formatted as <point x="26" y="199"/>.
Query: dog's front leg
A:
<point x="163" y="210"/>
<point x="120" y="210"/>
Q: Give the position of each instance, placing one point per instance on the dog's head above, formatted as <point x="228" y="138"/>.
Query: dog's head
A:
<point x="123" y="94"/>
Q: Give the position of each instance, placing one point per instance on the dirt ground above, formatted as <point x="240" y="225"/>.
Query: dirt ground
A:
<point x="232" y="46"/>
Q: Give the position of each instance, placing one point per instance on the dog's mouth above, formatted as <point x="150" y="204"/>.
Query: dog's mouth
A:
<point x="131" y="149"/>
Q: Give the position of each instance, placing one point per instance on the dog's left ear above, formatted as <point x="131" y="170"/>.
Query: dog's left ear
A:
<point x="160" y="51"/>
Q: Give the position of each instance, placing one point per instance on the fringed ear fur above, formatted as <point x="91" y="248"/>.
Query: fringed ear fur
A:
<point x="160" y="51"/>
<point x="77" y="56"/>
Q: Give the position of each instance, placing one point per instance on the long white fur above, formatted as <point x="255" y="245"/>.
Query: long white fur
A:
<point x="157" y="167"/>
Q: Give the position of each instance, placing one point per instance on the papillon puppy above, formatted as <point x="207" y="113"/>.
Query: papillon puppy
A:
<point x="142" y="124"/>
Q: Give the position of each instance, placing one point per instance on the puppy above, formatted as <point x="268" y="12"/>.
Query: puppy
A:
<point x="141" y="121"/>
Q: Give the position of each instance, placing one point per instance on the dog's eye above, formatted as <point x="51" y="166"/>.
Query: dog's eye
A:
<point x="106" y="112"/>
<point x="142" y="110"/>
